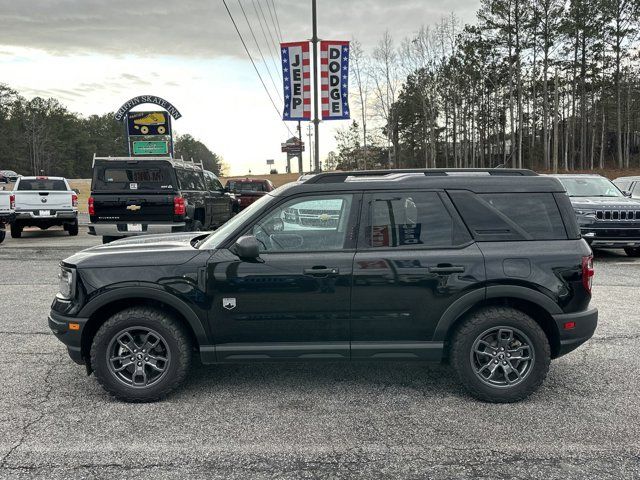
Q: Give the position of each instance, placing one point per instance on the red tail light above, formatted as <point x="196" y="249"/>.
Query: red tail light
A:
<point x="587" y="272"/>
<point x="12" y="202"/>
<point x="179" y="206"/>
<point x="74" y="200"/>
<point x="92" y="208"/>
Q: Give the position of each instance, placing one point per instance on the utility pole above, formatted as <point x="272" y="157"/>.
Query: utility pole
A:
<point x="316" y="116"/>
<point x="310" y="149"/>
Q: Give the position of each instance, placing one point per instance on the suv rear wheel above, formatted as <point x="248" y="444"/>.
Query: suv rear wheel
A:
<point x="140" y="354"/>
<point x="500" y="354"/>
<point x="632" y="251"/>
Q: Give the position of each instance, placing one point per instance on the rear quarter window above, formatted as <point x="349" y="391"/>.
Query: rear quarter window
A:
<point x="510" y="216"/>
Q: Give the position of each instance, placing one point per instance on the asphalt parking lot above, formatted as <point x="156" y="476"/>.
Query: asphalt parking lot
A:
<point x="362" y="420"/>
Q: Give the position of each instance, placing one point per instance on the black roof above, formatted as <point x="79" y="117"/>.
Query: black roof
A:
<point x="475" y="180"/>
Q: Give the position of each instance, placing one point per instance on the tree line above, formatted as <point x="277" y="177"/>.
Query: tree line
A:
<point x="544" y="84"/>
<point x="41" y="136"/>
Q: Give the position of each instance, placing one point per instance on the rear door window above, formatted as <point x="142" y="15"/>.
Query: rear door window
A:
<point x="125" y="177"/>
<point x="509" y="216"/>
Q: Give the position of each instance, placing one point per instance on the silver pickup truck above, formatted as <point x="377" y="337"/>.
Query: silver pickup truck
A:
<point x="7" y="211"/>
<point x="44" y="202"/>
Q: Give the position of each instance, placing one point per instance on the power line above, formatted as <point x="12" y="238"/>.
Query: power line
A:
<point x="260" y="50"/>
<point x="266" y="40"/>
<point x="276" y="28"/>
<point x="254" y="66"/>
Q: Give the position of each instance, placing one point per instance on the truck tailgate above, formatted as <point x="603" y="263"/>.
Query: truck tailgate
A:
<point x="139" y="208"/>
<point x="51" y="200"/>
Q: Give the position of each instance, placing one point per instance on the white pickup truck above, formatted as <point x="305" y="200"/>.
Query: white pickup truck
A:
<point x="7" y="211"/>
<point x="44" y="202"/>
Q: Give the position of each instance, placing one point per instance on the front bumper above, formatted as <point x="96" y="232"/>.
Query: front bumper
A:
<point x="121" y="229"/>
<point x="601" y="235"/>
<point x="59" y="325"/>
<point x="584" y="325"/>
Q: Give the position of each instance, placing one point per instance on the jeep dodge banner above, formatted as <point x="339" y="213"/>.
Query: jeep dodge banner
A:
<point x="296" y="76"/>
<point x="334" y="74"/>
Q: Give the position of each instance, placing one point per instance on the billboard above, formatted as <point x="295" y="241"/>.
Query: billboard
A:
<point x="334" y="83"/>
<point x="296" y="76"/>
<point x="148" y="123"/>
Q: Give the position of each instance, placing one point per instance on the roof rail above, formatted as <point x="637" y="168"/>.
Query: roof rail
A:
<point x="176" y="161"/>
<point x="341" y="177"/>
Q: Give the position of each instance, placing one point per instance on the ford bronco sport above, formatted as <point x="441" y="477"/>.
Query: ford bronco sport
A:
<point x="485" y="269"/>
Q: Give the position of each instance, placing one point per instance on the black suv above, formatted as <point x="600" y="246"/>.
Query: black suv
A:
<point x="483" y="268"/>
<point x="139" y="196"/>
<point x="607" y="217"/>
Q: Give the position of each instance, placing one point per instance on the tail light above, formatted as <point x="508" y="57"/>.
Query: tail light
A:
<point x="587" y="272"/>
<point x="74" y="200"/>
<point x="92" y="208"/>
<point x="179" y="206"/>
<point x="12" y="202"/>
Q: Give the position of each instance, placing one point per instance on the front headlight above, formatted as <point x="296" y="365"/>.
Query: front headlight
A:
<point x="66" y="283"/>
<point x="586" y="213"/>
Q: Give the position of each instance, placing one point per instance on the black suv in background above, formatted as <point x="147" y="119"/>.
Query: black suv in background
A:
<point x="138" y="196"/>
<point x="607" y="217"/>
<point x="484" y="268"/>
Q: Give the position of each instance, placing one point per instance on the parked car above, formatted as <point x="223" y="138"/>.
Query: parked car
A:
<point x="607" y="218"/>
<point x="44" y="202"/>
<point x="630" y="186"/>
<point x="483" y="268"/>
<point x="214" y="185"/>
<point x="139" y="196"/>
<point x="248" y="190"/>
<point x="10" y="175"/>
<point x="7" y="211"/>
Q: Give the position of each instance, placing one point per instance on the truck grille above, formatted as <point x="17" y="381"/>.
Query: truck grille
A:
<point x="618" y="215"/>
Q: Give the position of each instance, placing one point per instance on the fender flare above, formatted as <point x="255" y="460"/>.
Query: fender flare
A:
<point x="467" y="301"/>
<point x="153" y="294"/>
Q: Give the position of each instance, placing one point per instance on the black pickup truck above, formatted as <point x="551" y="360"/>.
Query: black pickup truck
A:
<point x="138" y="196"/>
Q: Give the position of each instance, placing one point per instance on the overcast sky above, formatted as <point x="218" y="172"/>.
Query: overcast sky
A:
<point x="94" y="55"/>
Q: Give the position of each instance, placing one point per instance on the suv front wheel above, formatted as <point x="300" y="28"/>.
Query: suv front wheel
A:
<point x="140" y="354"/>
<point x="500" y="354"/>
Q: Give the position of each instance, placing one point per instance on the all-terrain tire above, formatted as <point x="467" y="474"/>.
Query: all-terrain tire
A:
<point x="178" y="346"/>
<point x="73" y="229"/>
<point x="16" y="230"/>
<point x="473" y="327"/>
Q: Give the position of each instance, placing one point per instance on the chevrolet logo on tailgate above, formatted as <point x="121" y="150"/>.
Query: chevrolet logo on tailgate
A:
<point x="134" y="208"/>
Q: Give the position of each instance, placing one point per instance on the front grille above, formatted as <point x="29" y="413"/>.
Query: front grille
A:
<point x="618" y="215"/>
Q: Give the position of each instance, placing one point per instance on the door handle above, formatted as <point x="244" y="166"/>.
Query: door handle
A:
<point x="447" y="269"/>
<point x="321" y="271"/>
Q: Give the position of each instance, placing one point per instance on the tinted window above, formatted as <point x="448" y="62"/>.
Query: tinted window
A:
<point x="410" y="219"/>
<point x="150" y="177"/>
<point x="190" y="180"/>
<point x="51" y="185"/>
<point x="317" y="223"/>
<point x="246" y="186"/>
<point x="508" y="216"/>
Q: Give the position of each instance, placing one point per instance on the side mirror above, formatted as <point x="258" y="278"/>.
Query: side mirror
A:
<point x="77" y="191"/>
<point x="626" y="193"/>
<point x="247" y="247"/>
<point x="226" y="188"/>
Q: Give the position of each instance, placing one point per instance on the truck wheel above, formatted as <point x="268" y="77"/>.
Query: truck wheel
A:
<point x="196" y="226"/>
<point x="140" y="354"/>
<point x="3" y="235"/>
<point x="16" y="230"/>
<point x="73" y="229"/>
<point x="632" y="251"/>
<point x="501" y="355"/>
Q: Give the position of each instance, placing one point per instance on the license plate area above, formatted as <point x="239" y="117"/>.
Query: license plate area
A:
<point x="44" y="213"/>
<point x="134" y="227"/>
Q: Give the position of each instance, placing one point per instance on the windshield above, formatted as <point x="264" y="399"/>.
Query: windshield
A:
<point x="214" y="240"/>
<point x="590" y="187"/>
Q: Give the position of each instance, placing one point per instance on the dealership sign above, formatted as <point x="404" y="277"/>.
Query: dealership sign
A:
<point x="334" y="74"/>
<point x="296" y="76"/>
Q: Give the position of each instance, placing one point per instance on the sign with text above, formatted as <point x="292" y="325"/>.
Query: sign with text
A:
<point x="296" y="75"/>
<point x="148" y="123"/>
<point x="139" y="100"/>
<point x="150" y="148"/>
<point x="334" y="75"/>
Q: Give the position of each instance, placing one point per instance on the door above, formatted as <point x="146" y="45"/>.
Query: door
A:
<point x="220" y="202"/>
<point x="415" y="258"/>
<point x="294" y="301"/>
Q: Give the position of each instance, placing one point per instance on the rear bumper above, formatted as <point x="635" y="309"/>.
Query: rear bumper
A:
<point x="34" y="218"/>
<point x="59" y="325"/>
<point x="584" y="325"/>
<point x="120" y="229"/>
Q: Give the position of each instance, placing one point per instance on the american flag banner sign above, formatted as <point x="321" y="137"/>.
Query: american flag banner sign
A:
<point x="296" y="76"/>
<point x="334" y="74"/>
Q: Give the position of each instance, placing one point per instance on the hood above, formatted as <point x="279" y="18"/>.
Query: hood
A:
<point x="611" y="203"/>
<point x="145" y="250"/>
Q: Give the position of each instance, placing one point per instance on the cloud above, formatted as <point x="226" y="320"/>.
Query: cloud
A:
<point x="201" y="28"/>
